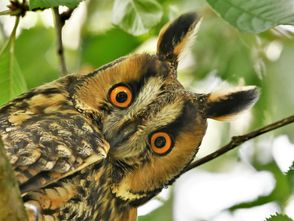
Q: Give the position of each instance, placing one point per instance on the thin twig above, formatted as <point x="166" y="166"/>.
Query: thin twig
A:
<point x="60" y="51"/>
<point x="237" y="140"/>
<point x="2" y="32"/>
<point x="6" y="12"/>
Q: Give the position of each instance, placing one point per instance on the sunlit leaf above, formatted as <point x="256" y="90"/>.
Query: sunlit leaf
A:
<point x="136" y="16"/>
<point x="12" y="82"/>
<point x="255" y="16"/>
<point x="279" y="217"/>
<point x="35" y="4"/>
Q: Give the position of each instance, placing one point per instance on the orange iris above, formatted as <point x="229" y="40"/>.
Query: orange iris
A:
<point x="161" y="142"/>
<point x="121" y="96"/>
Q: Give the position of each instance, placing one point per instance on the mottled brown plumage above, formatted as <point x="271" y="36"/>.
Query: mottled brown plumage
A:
<point x="96" y="146"/>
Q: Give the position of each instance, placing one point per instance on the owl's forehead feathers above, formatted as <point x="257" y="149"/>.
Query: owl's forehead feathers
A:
<point x="92" y="90"/>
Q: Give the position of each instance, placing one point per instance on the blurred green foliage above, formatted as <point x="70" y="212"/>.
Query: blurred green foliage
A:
<point x="41" y="65"/>
<point x="162" y="213"/>
<point x="12" y="82"/>
<point x="221" y="49"/>
<point x="279" y="217"/>
<point x="118" y="39"/>
<point x="36" y="4"/>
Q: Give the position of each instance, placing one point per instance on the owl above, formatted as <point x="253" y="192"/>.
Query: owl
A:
<point x="98" y="145"/>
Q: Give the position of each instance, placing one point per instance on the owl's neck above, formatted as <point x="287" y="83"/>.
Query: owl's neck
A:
<point x="97" y="199"/>
<point x="105" y="205"/>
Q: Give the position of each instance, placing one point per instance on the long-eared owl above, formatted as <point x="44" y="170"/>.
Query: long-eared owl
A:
<point x="98" y="145"/>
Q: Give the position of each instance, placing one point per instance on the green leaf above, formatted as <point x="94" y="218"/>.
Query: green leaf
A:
<point x="43" y="51"/>
<point x="162" y="213"/>
<point x="278" y="217"/>
<point x="255" y="16"/>
<point x="101" y="49"/>
<point x="290" y="176"/>
<point x="136" y="16"/>
<point x="12" y="82"/>
<point x="36" y="4"/>
<point x="291" y="169"/>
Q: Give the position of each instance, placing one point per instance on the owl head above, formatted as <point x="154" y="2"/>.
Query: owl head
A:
<point x="153" y="125"/>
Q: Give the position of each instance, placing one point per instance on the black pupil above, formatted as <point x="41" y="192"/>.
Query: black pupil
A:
<point x="121" y="97"/>
<point x="160" y="142"/>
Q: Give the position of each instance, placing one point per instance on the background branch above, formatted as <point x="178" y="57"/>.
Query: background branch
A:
<point x="59" y="23"/>
<point x="237" y="140"/>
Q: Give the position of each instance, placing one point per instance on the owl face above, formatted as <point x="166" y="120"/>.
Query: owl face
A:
<point x="142" y="111"/>
<point x="152" y="124"/>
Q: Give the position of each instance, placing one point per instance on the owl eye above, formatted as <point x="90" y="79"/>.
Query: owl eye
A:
<point x="121" y="96"/>
<point x="161" y="143"/>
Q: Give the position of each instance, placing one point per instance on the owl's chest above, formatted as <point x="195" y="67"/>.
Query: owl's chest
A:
<point x="85" y="196"/>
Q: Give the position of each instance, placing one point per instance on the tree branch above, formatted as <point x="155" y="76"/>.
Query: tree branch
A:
<point x="237" y="140"/>
<point x="59" y="23"/>
<point x="11" y="204"/>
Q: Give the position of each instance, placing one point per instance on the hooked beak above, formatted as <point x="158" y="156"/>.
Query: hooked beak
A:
<point x="118" y="137"/>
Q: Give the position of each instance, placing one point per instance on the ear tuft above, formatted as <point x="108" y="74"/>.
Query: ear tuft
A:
<point x="225" y="105"/>
<point x="175" y="36"/>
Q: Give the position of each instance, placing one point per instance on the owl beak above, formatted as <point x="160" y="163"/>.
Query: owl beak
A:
<point x="122" y="135"/>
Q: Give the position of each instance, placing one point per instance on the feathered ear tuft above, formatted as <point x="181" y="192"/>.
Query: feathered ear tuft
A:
<point x="174" y="36"/>
<point x="225" y="105"/>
